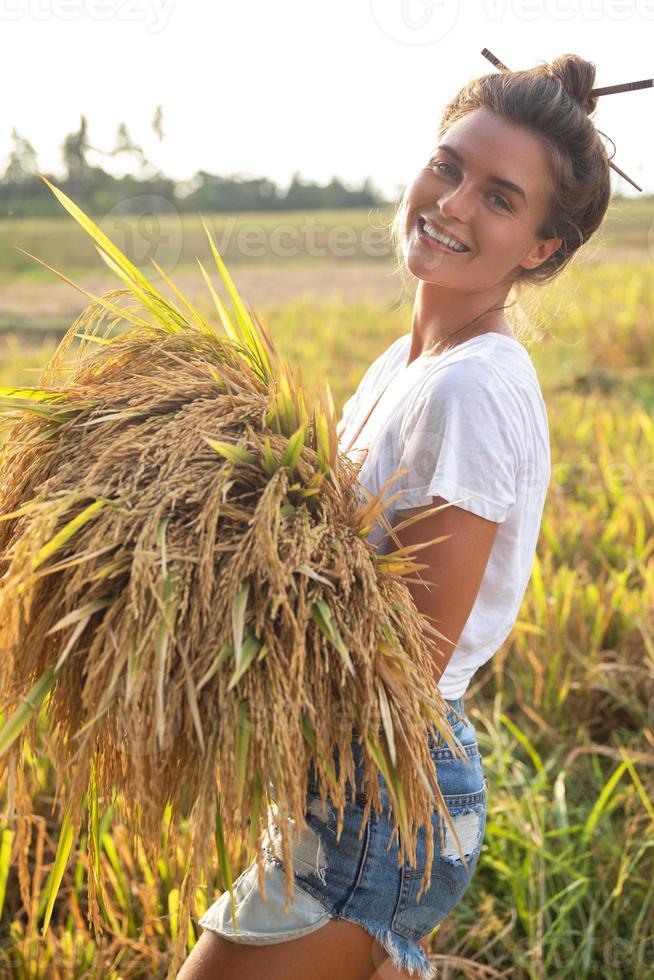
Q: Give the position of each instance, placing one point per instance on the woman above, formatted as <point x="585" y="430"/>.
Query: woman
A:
<point x="518" y="181"/>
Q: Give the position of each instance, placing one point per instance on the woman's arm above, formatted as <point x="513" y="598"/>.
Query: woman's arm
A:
<point x="455" y="566"/>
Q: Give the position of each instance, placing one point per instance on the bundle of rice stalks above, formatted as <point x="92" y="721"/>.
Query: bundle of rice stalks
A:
<point x="189" y="592"/>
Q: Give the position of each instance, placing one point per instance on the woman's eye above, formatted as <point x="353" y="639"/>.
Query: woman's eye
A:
<point x="439" y="165"/>
<point x="504" y="203"/>
<point x="499" y="197"/>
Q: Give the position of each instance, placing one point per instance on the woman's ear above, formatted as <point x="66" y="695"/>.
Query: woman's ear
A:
<point x="541" y="253"/>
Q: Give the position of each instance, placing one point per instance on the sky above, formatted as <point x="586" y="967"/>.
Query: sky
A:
<point x="352" y="88"/>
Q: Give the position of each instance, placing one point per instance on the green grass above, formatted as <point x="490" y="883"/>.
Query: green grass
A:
<point x="257" y="237"/>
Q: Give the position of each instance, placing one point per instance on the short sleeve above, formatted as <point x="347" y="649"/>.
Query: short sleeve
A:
<point x="462" y="439"/>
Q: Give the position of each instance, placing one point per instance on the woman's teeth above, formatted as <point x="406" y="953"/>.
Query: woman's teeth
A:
<point x="442" y="239"/>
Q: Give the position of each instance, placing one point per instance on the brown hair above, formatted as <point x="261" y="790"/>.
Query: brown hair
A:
<point x="553" y="101"/>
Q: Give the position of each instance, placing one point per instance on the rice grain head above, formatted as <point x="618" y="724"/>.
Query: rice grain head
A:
<point x="188" y="588"/>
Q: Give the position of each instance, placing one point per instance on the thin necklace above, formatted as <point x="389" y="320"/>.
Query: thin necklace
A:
<point x="454" y="332"/>
<point x="361" y="427"/>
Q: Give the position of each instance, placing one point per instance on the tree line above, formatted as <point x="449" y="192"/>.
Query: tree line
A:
<point x="24" y="194"/>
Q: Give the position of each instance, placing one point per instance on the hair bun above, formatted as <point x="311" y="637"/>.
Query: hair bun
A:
<point x="577" y="77"/>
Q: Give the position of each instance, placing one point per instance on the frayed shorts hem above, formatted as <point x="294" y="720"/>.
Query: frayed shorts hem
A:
<point x="255" y="916"/>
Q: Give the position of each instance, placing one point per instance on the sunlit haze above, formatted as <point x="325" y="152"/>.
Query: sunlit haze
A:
<point x="346" y="89"/>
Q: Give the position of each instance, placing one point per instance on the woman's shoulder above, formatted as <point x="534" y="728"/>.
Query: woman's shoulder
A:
<point x="489" y="362"/>
<point x="489" y="383"/>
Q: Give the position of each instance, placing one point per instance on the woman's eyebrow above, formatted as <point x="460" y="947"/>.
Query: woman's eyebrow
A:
<point x="494" y="180"/>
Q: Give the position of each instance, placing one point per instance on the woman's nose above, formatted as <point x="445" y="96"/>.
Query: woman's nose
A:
<point x="456" y="203"/>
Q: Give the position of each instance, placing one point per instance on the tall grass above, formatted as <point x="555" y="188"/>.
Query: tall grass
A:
<point x="564" y="712"/>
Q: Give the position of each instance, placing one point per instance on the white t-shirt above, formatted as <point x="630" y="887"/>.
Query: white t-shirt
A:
<point x="470" y="422"/>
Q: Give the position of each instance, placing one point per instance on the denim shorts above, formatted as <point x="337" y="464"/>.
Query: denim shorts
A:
<point x="359" y="879"/>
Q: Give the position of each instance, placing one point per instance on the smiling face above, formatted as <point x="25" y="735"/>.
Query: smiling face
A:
<point x="486" y="185"/>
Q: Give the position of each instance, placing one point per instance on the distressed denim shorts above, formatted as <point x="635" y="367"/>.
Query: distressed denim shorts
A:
<point x="359" y="879"/>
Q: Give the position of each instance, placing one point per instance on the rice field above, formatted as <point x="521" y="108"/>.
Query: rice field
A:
<point x="564" y="712"/>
